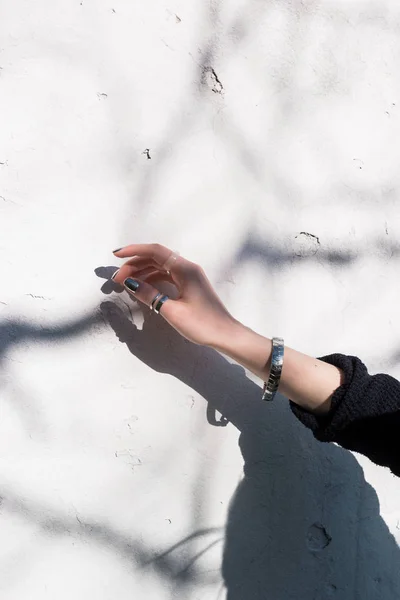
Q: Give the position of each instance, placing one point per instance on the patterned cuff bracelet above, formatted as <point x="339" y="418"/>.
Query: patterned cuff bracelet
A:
<point x="271" y="386"/>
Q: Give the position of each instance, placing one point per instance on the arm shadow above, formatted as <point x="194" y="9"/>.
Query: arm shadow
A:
<point x="303" y="522"/>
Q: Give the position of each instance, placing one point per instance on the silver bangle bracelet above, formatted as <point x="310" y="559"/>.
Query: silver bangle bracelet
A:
<point x="271" y="386"/>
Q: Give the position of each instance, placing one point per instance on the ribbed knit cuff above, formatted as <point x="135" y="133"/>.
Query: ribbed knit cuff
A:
<point x="343" y="410"/>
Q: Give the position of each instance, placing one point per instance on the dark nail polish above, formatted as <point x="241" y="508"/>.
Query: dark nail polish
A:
<point x="114" y="274"/>
<point x="117" y="250"/>
<point x="131" y="284"/>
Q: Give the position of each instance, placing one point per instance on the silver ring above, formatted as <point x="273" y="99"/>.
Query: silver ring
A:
<point x="171" y="260"/>
<point x="159" y="304"/>
<point x="156" y="297"/>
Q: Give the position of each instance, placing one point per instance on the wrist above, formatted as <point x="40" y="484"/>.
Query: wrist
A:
<point x="224" y="335"/>
<point x="246" y="347"/>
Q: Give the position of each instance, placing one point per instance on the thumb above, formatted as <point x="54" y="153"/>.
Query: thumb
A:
<point x="144" y="292"/>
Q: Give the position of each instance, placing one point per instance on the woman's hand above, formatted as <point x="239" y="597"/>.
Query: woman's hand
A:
<point x="197" y="313"/>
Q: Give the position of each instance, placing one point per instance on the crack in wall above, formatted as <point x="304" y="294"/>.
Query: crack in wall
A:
<point x="211" y="79"/>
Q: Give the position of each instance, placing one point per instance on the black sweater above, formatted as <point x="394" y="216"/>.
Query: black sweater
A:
<point x="364" y="416"/>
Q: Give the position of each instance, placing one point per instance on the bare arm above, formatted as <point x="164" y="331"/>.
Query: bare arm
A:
<point x="305" y="380"/>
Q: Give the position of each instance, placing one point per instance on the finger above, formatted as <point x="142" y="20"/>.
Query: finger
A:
<point x="158" y="279"/>
<point x="138" y="261"/>
<point x="156" y="252"/>
<point x="145" y="274"/>
<point x="129" y="270"/>
<point x="157" y="276"/>
<point x="145" y="293"/>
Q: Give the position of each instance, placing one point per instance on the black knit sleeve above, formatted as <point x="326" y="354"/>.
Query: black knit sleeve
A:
<point x="364" y="415"/>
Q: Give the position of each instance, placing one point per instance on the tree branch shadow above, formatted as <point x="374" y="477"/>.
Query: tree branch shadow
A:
<point x="175" y="564"/>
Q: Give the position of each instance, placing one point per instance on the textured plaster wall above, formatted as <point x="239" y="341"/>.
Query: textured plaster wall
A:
<point x="259" y="138"/>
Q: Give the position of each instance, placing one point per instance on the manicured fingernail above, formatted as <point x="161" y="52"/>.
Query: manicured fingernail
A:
<point x="131" y="284"/>
<point x="117" y="250"/>
<point x="114" y="274"/>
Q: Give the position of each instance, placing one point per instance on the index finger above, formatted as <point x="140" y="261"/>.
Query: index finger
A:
<point x="156" y="252"/>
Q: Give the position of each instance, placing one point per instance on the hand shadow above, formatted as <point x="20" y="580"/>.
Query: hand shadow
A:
<point x="159" y="346"/>
<point x="109" y="286"/>
<point x="303" y="522"/>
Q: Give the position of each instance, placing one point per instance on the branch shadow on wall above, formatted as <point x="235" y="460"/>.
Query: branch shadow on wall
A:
<point x="15" y="332"/>
<point x="310" y="249"/>
<point x="281" y="539"/>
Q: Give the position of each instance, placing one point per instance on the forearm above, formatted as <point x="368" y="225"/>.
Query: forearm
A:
<point x="305" y="380"/>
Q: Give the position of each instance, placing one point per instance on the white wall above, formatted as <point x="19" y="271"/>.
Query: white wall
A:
<point x="263" y="120"/>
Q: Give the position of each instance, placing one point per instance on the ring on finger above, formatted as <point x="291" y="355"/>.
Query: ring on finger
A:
<point x="170" y="261"/>
<point x="156" y="297"/>
<point x="159" y="303"/>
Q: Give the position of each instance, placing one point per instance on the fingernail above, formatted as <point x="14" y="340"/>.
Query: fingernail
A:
<point x="131" y="284"/>
<point x="114" y="274"/>
<point x="117" y="250"/>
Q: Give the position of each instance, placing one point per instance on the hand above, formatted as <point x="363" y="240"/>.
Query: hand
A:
<point x="197" y="313"/>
